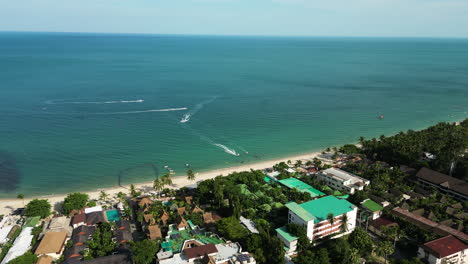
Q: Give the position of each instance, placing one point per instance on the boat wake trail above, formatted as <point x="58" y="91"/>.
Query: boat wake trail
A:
<point x="243" y="149"/>
<point x="227" y="150"/>
<point x="143" y="111"/>
<point x="57" y="102"/>
<point x="197" y="108"/>
<point x="210" y="141"/>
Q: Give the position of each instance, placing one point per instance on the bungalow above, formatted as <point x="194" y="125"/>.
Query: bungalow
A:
<point x="181" y="223"/>
<point x="154" y="232"/>
<point x="444" y="250"/>
<point x="52" y="244"/>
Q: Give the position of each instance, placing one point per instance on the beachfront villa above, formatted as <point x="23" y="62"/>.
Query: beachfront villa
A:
<point x="342" y="180"/>
<point x="314" y="217"/>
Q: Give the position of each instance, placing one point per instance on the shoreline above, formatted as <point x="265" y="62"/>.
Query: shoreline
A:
<point x="7" y="205"/>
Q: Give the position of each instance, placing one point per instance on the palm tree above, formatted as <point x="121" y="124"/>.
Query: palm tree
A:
<point x="190" y="175"/>
<point x="384" y="248"/>
<point x="344" y="223"/>
<point x="121" y="196"/>
<point x="103" y="195"/>
<point x="132" y="190"/>
<point x="166" y="179"/>
<point x="21" y="196"/>
<point x="331" y="218"/>
<point x="158" y="185"/>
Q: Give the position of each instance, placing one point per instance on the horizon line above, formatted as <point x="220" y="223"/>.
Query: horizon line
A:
<point x="230" y="35"/>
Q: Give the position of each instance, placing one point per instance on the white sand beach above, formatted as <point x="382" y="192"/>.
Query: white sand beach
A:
<point x="8" y="205"/>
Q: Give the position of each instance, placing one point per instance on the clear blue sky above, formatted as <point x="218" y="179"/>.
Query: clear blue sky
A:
<point x="408" y="18"/>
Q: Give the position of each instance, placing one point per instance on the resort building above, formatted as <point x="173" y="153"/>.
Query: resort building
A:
<point x="370" y="209"/>
<point x="342" y="180"/>
<point x="454" y="187"/>
<point x="444" y="250"/>
<point x="315" y="216"/>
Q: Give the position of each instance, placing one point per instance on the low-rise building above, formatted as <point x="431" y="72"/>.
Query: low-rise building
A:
<point x="371" y="209"/>
<point x="444" y="250"/>
<point x="342" y="180"/>
<point x="454" y="187"/>
<point x="315" y="217"/>
<point x="52" y="244"/>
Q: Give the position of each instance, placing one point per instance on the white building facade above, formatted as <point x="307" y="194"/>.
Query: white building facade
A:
<point x="342" y="180"/>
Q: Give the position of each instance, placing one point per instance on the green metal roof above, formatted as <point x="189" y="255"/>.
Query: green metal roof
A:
<point x="320" y="208"/>
<point x="267" y="179"/>
<point x="301" y="186"/>
<point x="299" y="211"/>
<point x="372" y="206"/>
<point x="283" y="231"/>
<point x="32" y="221"/>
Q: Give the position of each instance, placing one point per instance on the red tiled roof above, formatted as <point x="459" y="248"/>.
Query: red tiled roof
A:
<point x="197" y="252"/>
<point x="445" y="246"/>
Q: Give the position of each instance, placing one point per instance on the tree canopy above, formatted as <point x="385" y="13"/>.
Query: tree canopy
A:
<point x="27" y="258"/>
<point x="38" y="207"/>
<point x="230" y="228"/>
<point x="144" y="252"/>
<point x="74" y="201"/>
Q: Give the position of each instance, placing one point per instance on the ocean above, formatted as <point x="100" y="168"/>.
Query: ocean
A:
<point x="86" y="111"/>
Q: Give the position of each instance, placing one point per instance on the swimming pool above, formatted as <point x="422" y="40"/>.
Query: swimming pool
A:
<point x="113" y="215"/>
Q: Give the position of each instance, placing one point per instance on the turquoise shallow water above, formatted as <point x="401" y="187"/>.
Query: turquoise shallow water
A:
<point x="81" y="111"/>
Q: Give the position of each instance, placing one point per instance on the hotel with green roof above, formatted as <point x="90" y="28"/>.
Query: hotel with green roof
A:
<point x="313" y="216"/>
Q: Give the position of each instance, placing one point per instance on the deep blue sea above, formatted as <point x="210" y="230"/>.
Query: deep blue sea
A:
<point x="81" y="111"/>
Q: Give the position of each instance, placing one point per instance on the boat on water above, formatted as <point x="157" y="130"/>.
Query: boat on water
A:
<point x="381" y="117"/>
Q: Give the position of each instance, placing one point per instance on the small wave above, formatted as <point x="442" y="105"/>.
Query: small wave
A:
<point x="55" y="102"/>
<point x="143" y="111"/>
<point x="227" y="150"/>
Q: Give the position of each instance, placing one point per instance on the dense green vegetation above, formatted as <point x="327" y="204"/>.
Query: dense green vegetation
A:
<point x="101" y="243"/>
<point x="74" y="201"/>
<point x="27" y="258"/>
<point x="144" y="252"/>
<point x="38" y="207"/>
<point x="446" y="141"/>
